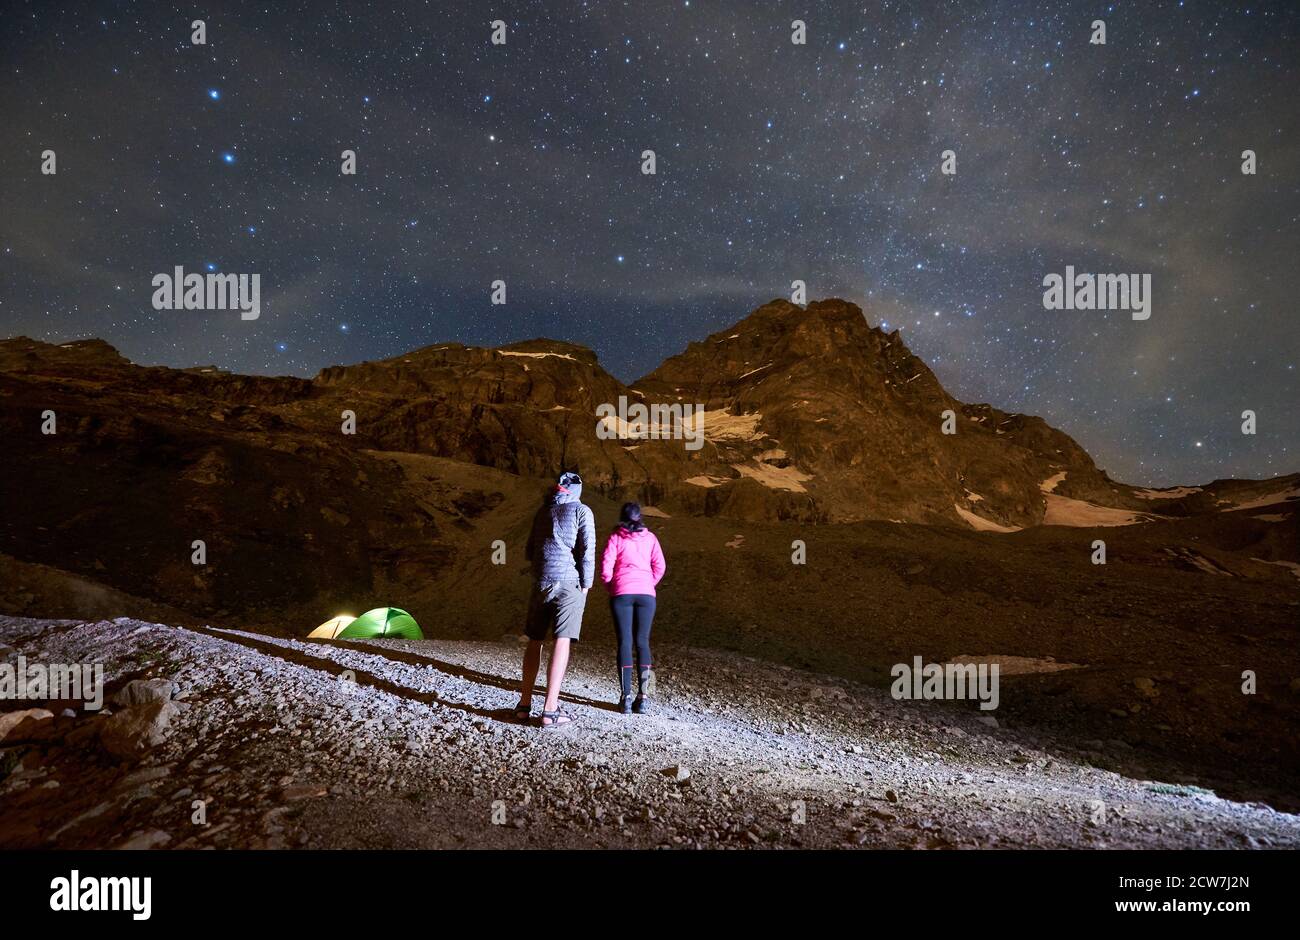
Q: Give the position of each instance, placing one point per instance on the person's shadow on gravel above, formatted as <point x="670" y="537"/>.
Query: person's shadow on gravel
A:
<point x="481" y="678"/>
<point x="359" y="676"/>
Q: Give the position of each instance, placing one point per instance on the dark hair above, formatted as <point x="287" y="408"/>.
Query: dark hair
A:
<point x="629" y="517"/>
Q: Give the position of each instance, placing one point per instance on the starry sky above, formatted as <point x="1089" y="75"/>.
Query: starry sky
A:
<point x="775" y="162"/>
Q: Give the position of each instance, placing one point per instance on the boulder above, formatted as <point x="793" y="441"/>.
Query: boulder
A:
<point x="11" y="720"/>
<point x="143" y="691"/>
<point x="131" y="732"/>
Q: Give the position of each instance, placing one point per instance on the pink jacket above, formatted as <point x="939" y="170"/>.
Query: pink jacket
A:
<point x="633" y="562"/>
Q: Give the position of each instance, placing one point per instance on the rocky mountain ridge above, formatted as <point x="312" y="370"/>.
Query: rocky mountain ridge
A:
<point x="809" y="414"/>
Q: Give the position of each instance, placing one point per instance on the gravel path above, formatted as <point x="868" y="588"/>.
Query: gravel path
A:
<point x="412" y="744"/>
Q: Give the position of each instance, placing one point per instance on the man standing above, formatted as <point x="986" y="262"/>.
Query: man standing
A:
<point x="562" y="549"/>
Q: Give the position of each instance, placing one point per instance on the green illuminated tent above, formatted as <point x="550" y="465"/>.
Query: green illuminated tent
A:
<point x="392" y="622"/>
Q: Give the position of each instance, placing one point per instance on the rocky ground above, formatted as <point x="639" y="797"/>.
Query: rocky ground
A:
<point x="228" y="738"/>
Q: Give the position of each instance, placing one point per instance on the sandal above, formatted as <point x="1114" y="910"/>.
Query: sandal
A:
<point x="555" y="719"/>
<point x="524" y="710"/>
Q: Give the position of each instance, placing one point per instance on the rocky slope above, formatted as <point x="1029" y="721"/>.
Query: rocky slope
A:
<point x="234" y="739"/>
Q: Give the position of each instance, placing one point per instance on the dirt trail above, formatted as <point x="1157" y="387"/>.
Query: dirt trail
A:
<point x="411" y="744"/>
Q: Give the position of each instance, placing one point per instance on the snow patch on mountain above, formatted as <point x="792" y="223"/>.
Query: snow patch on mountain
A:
<point x="778" y="478"/>
<point x="722" y="425"/>
<point x="1050" y="484"/>
<point x="1062" y="510"/>
<point x="1268" y="499"/>
<point x="1177" y="492"/>
<point x="1015" y="665"/>
<point x="980" y="524"/>
<point x="706" y="481"/>
<point x="536" y="355"/>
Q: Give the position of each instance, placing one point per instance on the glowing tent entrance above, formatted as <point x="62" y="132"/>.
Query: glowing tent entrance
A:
<point x="391" y="622"/>
<point x="331" y="628"/>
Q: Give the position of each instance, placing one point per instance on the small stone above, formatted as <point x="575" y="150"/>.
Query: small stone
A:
<point x="143" y="776"/>
<point x="891" y="796"/>
<point x="677" y="772"/>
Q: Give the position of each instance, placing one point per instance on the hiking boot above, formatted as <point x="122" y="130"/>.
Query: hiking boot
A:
<point x="625" y="705"/>
<point x="642" y="705"/>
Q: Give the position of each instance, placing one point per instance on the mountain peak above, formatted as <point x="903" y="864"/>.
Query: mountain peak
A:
<point x="828" y="337"/>
<point x="782" y="316"/>
<point x="844" y="412"/>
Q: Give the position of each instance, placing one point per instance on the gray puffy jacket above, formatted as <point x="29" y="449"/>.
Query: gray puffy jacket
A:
<point x="562" y="545"/>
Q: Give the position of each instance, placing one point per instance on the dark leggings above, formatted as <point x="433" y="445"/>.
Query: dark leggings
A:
<point x="633" y="610"/>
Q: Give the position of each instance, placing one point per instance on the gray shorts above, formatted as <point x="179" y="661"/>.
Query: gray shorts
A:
<point x="555" y="608"/>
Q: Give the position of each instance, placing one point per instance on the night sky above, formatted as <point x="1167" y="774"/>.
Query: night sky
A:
<point x="775" y="162"/>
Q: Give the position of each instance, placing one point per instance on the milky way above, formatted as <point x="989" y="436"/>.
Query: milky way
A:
<point x="774" y="162"/>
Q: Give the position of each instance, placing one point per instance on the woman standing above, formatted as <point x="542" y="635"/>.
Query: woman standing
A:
<point x="632" y="565"/>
